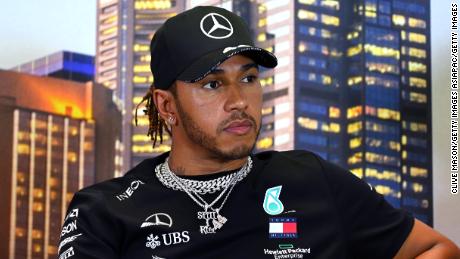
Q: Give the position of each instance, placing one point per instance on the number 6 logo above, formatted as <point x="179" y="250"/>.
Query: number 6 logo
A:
<point x="272" y="205"/>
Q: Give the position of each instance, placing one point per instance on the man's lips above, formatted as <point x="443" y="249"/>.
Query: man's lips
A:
<point x="239" y="127"/>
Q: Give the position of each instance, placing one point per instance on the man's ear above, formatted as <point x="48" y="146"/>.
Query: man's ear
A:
<point x="164" y="102"/>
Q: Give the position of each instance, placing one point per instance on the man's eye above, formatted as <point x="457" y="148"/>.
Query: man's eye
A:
<point x="211" y="85"/>
<point x="249" y="79"/>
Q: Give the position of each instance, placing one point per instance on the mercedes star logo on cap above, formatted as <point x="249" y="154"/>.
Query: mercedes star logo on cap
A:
<point x="221" y="26"/>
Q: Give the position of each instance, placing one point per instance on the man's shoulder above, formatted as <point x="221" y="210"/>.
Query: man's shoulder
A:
<point x="139" y="174"/>
<point x="291" y="160"/>
<point x="299" y="155"/>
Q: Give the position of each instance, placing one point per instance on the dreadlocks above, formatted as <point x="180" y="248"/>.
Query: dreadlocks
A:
<point x="156" y="124"/>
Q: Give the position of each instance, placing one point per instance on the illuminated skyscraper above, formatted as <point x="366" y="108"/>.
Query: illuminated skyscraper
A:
<point x="56" y="139"/>
<point x="124" y="31"/>
<point x="63" y="64"/>
<point x="388" y="112"/>
<point x="358" y="79"/>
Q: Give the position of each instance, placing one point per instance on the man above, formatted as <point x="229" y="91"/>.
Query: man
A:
<point x="209" y="197"/>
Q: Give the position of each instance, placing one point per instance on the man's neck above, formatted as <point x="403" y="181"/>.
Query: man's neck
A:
<point x="200" y="163"/>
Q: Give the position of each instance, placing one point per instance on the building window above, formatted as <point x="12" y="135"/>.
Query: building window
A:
<point x="354" y="112"/>
<point x="354" y="50"/>
<point x="399" y="20"/>
<point x="381" y="159"/>
<point x="357" y="171"/>
<point x="383" y="174"/>
<point x="415" y="126"/>
<point x="355" y="80"/>
<point x="330" y="20"/>
<point x="307" y="123"/>
<point x="331" y="4"/>
<point x="382" y="81"/>
<point x="413" y="52"/>
<point x="418" y="172"/>
<point x="315" y="78"/>
<point x="334" y="112"/>
<point x="384" y="113"/>
<point x="354" y="128"/>
<point x="417" y="82"/>
<point x="266" y="81"/>
<point x="417" y="23"/>
<point x="417" y="67"/>
<point x="355" y="158"/>
<point x="417" y="97"/>
<point x="20" y="232"/>
<point x="153" y="4"/>
<point x="307" y="15"/>
<point x="264" y="143"/>
<point x="267" y="110"/>
<point x="355" y="142"/>
<point x="379" y="51"/>
<point x="417" y="37"/>
<point x="308" y="2"/>
<point x="382" y="67"/>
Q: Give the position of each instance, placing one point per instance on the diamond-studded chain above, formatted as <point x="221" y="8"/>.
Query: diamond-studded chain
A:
<point x="170" y="180"/>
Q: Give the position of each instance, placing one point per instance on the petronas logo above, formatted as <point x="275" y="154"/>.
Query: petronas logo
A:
<point x="272" y="203"/>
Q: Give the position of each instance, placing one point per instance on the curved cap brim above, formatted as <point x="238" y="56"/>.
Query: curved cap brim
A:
<point x="203" y="66"/>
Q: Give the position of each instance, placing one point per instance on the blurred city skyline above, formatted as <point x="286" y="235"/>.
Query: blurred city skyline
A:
<point x="358" y="92"/>
<point x="51" y="26"/>
<point x="31" y="18"/>
<point x="34" y="29"/>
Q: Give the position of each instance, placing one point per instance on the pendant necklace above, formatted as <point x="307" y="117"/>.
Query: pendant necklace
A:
<point x="213" y="219"/>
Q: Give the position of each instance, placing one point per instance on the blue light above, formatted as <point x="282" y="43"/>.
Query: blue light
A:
<point x="79" y="67"/>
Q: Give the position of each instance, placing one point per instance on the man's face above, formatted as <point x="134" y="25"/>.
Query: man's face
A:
<point x="221" y="113"/>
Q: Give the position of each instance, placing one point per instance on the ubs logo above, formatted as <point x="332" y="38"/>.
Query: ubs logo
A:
<point x="130" y="190"/>
<point x="167" y="239"/>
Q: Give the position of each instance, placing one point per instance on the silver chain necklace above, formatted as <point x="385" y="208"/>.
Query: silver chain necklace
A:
<point x="170" y="180"/>
<point x="210" y="214"/>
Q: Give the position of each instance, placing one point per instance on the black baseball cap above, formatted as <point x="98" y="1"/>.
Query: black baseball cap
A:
<point x="189" y="45"/>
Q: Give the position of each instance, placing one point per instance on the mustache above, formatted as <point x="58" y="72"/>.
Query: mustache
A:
<point x="236" y="116"/>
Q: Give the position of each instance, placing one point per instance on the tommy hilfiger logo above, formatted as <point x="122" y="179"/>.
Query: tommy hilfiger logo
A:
<point x="282" y="228"/>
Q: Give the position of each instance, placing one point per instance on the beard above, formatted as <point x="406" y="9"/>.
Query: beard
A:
<point x="198" y="136"/>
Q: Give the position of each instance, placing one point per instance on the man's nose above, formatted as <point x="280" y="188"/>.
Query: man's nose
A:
<point x="236" y="99"/>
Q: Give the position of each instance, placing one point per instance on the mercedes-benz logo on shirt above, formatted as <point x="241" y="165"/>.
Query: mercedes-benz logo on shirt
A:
<point x="157" y="219"/>
<point x="216" y="26"/>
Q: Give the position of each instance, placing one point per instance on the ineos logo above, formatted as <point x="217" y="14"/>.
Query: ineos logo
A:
<point x="130" y="190"/>
<point x="216" y="26"/>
